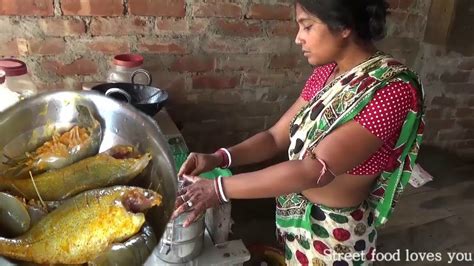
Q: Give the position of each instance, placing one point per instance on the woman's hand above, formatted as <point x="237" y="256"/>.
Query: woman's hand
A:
<point x="195" y="198"/>
<point x="198" y="163"/>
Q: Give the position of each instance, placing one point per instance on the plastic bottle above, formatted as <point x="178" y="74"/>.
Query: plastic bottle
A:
<point x="17" y="78"/>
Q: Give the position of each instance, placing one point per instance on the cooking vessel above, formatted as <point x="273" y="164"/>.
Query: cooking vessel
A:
<point x="121" y="124"/>
<point x="145" y="98"/>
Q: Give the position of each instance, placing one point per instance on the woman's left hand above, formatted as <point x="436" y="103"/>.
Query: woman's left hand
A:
<point x="195" y="198"/>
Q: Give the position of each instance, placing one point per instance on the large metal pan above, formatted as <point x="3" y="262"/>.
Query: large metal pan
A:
<point x="121" y="123"/>
<point x="145" y="98"/>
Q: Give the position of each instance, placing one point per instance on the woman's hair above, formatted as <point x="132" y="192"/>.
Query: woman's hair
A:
<point x="365" y="17"/>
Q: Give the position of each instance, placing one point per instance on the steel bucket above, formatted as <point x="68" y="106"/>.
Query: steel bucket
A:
<point x="121" y="123"/>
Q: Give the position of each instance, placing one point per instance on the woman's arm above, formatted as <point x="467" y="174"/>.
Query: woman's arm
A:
<point x="267" y="144"/>
<point x="342" y="150"/>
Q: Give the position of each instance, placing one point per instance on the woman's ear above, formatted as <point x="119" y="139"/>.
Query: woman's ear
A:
<point x="345" y="33"/>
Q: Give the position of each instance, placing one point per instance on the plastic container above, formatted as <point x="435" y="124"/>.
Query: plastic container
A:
<point x="17" y="78"/>
<point x="124" y="66"/>
<point x="7" y="97"/>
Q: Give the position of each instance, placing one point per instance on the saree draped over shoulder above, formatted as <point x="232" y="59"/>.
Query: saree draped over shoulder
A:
<point x="313" y="232"/>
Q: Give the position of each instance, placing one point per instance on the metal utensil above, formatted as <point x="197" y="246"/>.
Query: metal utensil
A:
<point x="122" y="124"/>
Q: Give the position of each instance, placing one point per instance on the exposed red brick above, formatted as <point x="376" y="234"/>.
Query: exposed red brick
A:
<point x="283" y="28"/>
<point x="92" y="7"/>
<point x="215" y="81"/>
<point x="216" y="9"/>
<point x="26" y="8"/>
<point x="433" y="113"/>
<point x="405" y="4"/>
<point x="466" y="123"/>
<point x="51" y="46"/>
<point x="269" y="45"/>
<point x="109" y="46"/>
<point x="467" y="64"/>
<point x="398" y="18"/>
<point x="62" y="27"/>
<point x="171" y="25"/>
<point x="263" y="11"/>
<point x="172" y="82"/>
<point x="393" y="4"/>
<point x="239" y="28"/>
<point x="443" y="101"/>
<point x="284" y="61"/>
<point x="265" y="79"/>
<point x="470" y="101"/>
<point x="460" y="88"/>
<point x="439" y="124"/>
<point x="9" y="48"/>
<point x="273" y="79"/>
<point x="119" y="26"/>
<point x="251" y="80"/>
<point x="455" y="77"/>
<point x="242" y="62"/>
<point x="81" y="66"/>
<point x="156" y="47"/>
<point x="194" y="64"/>
<point x="163" y="8"/>
<point x="199" y="25"/>
<point x="465" y="112"/>
<point x="224" y="45"/>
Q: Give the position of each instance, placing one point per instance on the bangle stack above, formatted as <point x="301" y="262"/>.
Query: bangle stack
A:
<point x="226" y="158"/>
<point x="219" y="189"/>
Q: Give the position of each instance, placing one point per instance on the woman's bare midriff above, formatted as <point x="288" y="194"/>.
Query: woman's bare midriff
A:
<point x="344" y="191"/>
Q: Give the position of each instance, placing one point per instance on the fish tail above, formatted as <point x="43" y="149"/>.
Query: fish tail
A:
<point x="12" y="248"/>
<point x="140" y="164"/>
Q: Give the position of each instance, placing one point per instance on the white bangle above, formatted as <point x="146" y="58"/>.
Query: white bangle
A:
<point x="229" y="158"/>
<point x="221" y="189"/>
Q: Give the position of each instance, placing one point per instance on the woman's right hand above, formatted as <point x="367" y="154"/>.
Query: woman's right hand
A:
<point x="198" y="163"/>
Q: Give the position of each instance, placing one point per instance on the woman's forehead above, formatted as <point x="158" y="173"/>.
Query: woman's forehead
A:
<point x="302" y="15"/>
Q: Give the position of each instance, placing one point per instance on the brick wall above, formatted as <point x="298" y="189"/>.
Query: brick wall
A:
<point x="231" y="67"/>
<point x="448" y="73"/>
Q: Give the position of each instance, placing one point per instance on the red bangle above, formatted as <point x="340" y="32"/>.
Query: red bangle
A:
<point x="225" y="160"/>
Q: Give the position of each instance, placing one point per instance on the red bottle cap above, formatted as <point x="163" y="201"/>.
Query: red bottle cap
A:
<point x="128" y="60"/>
<point x="13" y="67"/>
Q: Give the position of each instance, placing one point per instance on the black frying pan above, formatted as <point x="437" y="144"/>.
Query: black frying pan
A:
<point x="145" y="98"/>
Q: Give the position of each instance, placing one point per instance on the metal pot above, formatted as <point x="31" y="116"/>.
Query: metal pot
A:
<point x="121" y="123"/>
<point x="145" y="98"/>
<point x="181" y="244"/>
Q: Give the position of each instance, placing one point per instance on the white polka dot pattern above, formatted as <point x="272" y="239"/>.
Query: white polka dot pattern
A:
<point x="383" y="116"/>
<point x="316" y="81"/>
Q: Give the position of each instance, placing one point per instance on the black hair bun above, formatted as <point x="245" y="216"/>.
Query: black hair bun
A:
<point x="377" y="11"/>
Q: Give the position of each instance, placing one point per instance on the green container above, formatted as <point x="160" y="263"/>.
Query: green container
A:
<point x="179" y="159"/>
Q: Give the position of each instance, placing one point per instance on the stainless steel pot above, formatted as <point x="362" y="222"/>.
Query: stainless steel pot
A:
<point x="179" y="244"/>
<point x="121" y="123"/>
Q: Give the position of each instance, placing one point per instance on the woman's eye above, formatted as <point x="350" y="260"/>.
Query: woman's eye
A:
<point x="308" y="27"/>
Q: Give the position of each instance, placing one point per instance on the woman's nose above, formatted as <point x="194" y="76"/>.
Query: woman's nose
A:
<point x="298" y="39"/>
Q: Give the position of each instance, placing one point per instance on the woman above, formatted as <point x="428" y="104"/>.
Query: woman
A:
<point x="352" y="139"/>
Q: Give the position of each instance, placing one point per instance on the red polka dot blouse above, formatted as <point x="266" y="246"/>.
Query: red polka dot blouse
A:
<point x="383" y="116"/>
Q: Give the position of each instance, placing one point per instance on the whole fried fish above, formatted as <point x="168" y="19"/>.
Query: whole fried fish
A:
<point x="116" y="166"/>
<point x="81" y="141"/>
<point x="84" y="226"/>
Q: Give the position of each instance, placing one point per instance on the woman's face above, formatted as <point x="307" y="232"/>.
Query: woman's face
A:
<point x="318" y="43"/>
